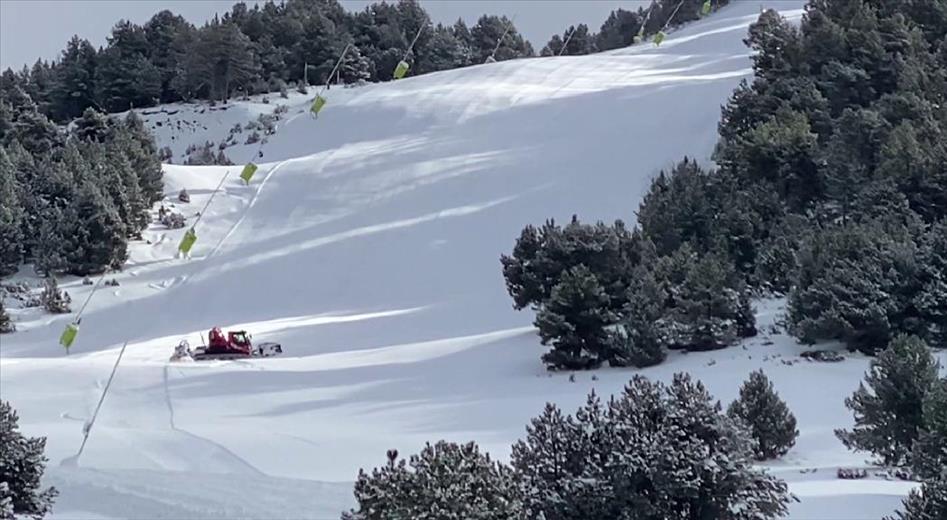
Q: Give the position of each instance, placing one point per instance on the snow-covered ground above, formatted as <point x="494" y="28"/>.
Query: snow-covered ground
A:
<point x="368" y="244"/>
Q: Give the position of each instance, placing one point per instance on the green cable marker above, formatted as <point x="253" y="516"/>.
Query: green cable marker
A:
<point x="705" y="9"/>
<point x="69" y="335"/>
<point x="188" y="241"/>
<point x="317" y="105"/>
<point x="401" y="69"/>
<point x="658" y="38"/>
<point x="248" y="172"/>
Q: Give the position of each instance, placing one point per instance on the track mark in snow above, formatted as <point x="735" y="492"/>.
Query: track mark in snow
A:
<point x="237" y="458"/>
<point x="246" y="210"/>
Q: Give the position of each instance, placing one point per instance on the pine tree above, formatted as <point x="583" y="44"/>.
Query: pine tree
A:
<point x="708" y="305"/>
<point x="74" y="85"/>
<point x="487" y="32"/>
<point x="6" y="324"/>
<point x="557" y="450"/>
<point x="618" y="30"/>
<point x="99" y="240"/>
<point x="445" y="51"/>
<point x="653" y="452"/>
<point x="638" y="341"/>
<point x="929" y="453"/>
<point x="125" y="77"/>
<point x="889" y="412"/>
<point x="927" y="503"/>
<point x="22" y="464"/>
<point x="771" y="423"/>
<point x="574" y="321"/>
<point x="11" y="217"/>
<point x="446" y="481"/>
<point x="579" y="42"/>
<point x="94" y="126"/>
<point x="138" y="145"/>
<point x="855" y="284"/>
<point x="161" y="32"/>
<point x="355" y="68"/>
<point x="931" y="300"/>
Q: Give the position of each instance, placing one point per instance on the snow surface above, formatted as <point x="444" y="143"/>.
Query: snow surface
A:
<point x="368" y="244"/>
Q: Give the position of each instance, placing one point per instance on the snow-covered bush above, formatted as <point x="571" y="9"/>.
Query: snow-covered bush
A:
<point x="22" y="464"/>
<point x="771" y="423"/>
<point x="656" y="451"/>
<point x="53" y="298"/>
<point x="6" y="324"/>
<point x="253" y="138"/>
<point x="446" y="481"/>
<point x="889" y="413"/>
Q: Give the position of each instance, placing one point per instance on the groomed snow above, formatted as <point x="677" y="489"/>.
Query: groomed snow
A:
<point x="368" y="245"/>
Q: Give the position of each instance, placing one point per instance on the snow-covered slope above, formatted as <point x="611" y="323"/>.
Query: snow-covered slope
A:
<point x="368" y="245"/>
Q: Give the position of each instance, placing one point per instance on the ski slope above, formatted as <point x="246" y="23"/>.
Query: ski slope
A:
<point x="368" y="244"/>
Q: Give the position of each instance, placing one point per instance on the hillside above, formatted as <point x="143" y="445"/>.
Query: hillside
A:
<point x="368" y="244"/>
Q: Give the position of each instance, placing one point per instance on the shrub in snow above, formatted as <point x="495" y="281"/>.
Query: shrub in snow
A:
<point x="768" y="418"/>
<point x="183" y="196"/>
<point x="253" y="138"/>
<point x="889" y="413"/>
<point x="6" y="324"/>
<point x="53" y="299"/>
<point x="654" y="452"/>
<point x="222" y="159"/>
<point x="165" y="154"/>
<point x="929" y="454"/>
<point x="22" y="464"/>
<point x="927" y="503"/>
<point x="574" y="321"/>
<point x="446" y="481"/>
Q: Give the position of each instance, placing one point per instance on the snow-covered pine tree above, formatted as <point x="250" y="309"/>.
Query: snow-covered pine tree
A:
<point x="355" y="67"/>
<point x="139" y="146"/>
<point x="575" y="321"/>
<point x="653" y="452"/>
<point x="6" y="324"/>
<point x="54" y="299"/>
<point x="771" y="423"/>
<point x="889" y="413"/>
<point x="927" y="503"/>
<point x="100" y="238"/>
<point x="446" y="481"/>
<point x="93" y="126"/>
<point x="929" y="454"/>
<point x="637" y="340"/>
<point x="931" y="300"/>
<point x="22" y="464"/>
<point x="11" y="217"/>
<point x="709" y="307"/>
<point x="557" y="451"/>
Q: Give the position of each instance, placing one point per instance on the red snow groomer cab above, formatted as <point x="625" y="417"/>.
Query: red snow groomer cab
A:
<point x="235" y="345"/>
<point x="236" y="342"/>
